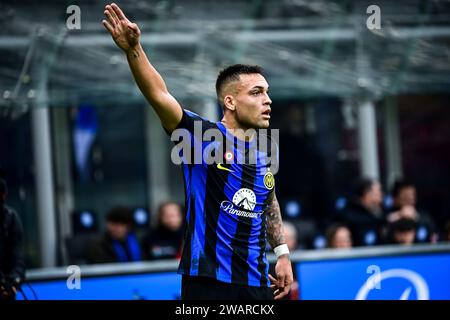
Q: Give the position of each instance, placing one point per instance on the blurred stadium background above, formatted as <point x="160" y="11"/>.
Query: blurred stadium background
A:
<point x="77" y="138"/>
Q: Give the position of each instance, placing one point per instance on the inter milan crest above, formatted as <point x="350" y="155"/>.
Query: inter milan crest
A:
<point x="269" y="180"/>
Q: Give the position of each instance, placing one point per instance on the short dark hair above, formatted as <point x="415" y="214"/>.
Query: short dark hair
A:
<point x="232" y="73"/>
<point x="399" y="185"/>
<point x="362" y="186"/>
<point x="331" y="231"/>
<point x="120" y="215"/>
<point x="403" y="224"/>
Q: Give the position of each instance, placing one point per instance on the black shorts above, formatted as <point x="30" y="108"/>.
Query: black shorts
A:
<point x="204" y="288"/>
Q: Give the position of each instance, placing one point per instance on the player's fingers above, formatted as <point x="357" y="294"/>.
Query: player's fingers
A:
<point x="272" y="279"/>
<point x="111" y="20"/>
<point x="118" y="11"/>
<point x="280" y="295"/>
<point x="113" y="14"/>
<point x="108" y="26"/>
<point x="284" y="292"/>
<point x="281" y="279"/>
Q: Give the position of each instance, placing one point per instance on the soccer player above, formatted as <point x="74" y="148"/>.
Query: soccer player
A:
<point x="231" y="206"/>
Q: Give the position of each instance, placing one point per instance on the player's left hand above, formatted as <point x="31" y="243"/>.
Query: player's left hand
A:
<point x="284" y="278"/>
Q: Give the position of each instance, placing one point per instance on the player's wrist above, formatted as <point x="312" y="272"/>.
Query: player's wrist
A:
<point x="281" y="251"/>
<point x="134" y="51"/>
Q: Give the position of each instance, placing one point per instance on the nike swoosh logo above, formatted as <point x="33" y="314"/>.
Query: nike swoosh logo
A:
<point x="219" y="166"/>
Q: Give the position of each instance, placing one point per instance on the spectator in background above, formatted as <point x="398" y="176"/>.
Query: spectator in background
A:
<point x="402" y="231"/>
<point x="12" y="262"/>
<point x="165" y="241"/>
<point x="405" y="212"/>
<point x="119" y="243"/>
<point x="290" y="234"/>
<point x="363" y="213"/>
<point x="404" y="196"/>
<point x="338" y="236"/>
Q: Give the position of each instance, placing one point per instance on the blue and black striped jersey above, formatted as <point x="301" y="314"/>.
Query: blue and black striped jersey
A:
<point x="225" y="235"/>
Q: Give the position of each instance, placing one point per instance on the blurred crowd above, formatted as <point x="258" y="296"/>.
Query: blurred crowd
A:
<point x="366" y="219"/>
<point x="124" y="241"/>
<point x="369" y="218"/>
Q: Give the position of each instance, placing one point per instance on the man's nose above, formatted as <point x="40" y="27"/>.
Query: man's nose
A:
<point x="267" y="100"/>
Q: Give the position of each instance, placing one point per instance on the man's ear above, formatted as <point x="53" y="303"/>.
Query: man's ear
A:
<point x="228" y="102"/>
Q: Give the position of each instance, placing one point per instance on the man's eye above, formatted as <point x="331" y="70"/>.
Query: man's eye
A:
<point x="256" y="93"/>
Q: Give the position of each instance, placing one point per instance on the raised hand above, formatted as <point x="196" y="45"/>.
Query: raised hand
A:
<point x="124" y="33"/>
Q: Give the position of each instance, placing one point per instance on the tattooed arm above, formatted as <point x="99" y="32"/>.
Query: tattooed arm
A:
<point x="126" y="35"/>
<point x="275" y="233"/>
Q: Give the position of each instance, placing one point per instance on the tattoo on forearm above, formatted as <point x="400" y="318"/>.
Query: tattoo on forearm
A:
<point x="274" y="222"/>
<point x="135" y="54"/>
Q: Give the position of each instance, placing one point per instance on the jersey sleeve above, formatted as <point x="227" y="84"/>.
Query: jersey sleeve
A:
<point x="188" y="121"/>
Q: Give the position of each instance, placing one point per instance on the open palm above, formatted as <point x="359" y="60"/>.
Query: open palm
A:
<point x="125" y="33"/>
